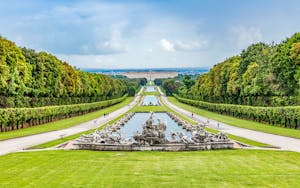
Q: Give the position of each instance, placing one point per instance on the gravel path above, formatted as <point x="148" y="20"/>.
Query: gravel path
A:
<point x="17" y="144"/>
<point x="285" y="143"/>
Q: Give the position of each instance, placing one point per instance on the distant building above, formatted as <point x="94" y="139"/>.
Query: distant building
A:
<point x="151" y="75"/>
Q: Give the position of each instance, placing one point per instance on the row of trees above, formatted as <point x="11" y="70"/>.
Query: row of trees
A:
<point x="27" y="76"/>
<point x="133" y="84"/>
<point x="261" y="75"/>
<point x="288" y="117"/>
<point x="180" y="83"/>
<point x="17" y="118"/>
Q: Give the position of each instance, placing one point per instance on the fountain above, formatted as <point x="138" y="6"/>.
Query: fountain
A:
<point x="153" y="137"/>
<point x="152" y="134"/>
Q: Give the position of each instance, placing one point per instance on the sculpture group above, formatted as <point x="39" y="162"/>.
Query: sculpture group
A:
<point x="153" y="138"/>
<point x="152" y="134"/>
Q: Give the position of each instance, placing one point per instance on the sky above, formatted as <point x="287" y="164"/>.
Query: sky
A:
<point x="146" y="34"/>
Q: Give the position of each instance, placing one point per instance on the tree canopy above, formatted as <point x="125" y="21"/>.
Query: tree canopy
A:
<point x="261" y="75"/>
<point x="30" y="78"/>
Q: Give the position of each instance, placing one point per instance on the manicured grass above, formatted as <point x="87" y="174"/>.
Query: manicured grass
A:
<point x="62" y="124"/>
<point x="54" y="143"/>
<point x="150" y="93"/>
<point x="149" y="108"/>
<point x="241" y="139"/>
<point x="224" y="168"/>
<point x="162" y="89"/>
<point x="249" y="142"/>
<point x="238" y="122"/>
<point x="190" y="121"/>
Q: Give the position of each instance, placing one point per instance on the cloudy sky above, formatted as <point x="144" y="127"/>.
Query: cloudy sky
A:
<point x="140" y="34"/>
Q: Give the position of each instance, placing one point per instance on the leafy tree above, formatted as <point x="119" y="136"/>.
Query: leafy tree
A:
<point x="29" y="79"/>
<point x="261" y="75"/>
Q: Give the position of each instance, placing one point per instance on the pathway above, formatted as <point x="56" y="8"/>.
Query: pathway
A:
<point x="17" y="144"/>
<point x="285" y="143"/>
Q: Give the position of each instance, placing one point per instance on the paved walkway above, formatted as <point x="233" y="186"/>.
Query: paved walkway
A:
<point x="17" y="144"/>
<point x="285" y="143"/>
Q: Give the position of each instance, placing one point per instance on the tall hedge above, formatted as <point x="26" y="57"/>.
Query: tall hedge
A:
<point x="285" y="116"/>
<point x="16" y="118"/>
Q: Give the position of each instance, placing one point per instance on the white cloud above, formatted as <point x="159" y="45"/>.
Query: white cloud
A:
<point x="86" y="28"/>
<point x="182" y="45"/>
<point x="190" y="46"/>
<point x="167" y="45"/>
<point x="114" y="44"/>
<point x="90" y="61"/>
<point x="244" y="36"/>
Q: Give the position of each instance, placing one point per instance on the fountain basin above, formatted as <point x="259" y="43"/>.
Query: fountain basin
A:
<point x="150" y="100"/>
<point x="157" y="147"/>
<point x="150" y="89"/>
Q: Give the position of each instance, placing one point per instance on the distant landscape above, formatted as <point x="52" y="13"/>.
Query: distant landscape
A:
<point x="183" y="70"/>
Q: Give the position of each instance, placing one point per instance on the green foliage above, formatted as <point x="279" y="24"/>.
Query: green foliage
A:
<point x="158" y="81"/>
<point x="30" y="79"/>
<point x="288" y="117"/>
<point x="188" y="82"/>
<point x="64" y="123"/>
<point x="171" y="86"/>
<point x="16" y="118"/>
<point x="262" y="75"/>
<point x="238" y="122"/>
<point x="143" y="81"/>
<point x="177" y="85"/>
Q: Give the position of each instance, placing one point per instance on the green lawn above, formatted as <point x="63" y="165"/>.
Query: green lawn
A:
<point x="62" y="124"/>
<point x="149" y="108"/>
<point x="241" y="139"/>
<point x="224" y="168"/>
<point x="141" y="108"/>
<point x="150" y="93"/>
<point x="238" y="122"/>
<point x="54" y="143"/>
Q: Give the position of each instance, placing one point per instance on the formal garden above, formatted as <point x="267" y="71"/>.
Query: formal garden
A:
<point x="236" y="124"/>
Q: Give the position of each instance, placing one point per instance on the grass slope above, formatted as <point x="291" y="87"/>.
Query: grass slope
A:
<point x="224" y="168"/>
<point x="71" y="137"/>
<point x="238" y="122"/>
<point x="62" y="124"/>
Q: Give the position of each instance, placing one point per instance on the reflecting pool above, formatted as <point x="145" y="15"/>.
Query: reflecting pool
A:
<point x="150" y="100"/>
<point x="150" y="89"/>
<point x="137" y="121"/>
